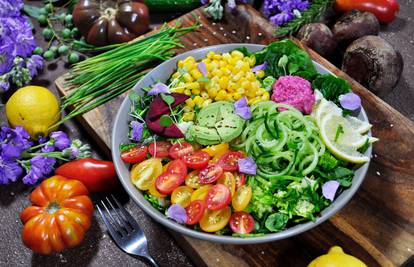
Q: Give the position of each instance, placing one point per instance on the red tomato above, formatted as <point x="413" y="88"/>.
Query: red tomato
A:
<point x="229" y="161"/>
<point x="178" y="150"/>
<point x="167" y="182"/>
<point x="196" y="160"/>
<point x="177" y="166"/>
<point x="218" y="197"/>
<point x="135" y="154"/>
<point x="241" y="222"/>
<point x="159" y="149"/>
<point x="240" y="179"/>
<point x="195" y="212"/>
<point x="96" y="175"/>
<point x="210" y="174"/>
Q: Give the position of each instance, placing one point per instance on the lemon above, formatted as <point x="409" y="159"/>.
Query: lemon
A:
<point x="359" y="126"/>
<point x="336" y="257"/>
<point x="35" y="108"/>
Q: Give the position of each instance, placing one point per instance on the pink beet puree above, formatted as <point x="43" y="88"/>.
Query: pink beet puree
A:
<point x="294" y="91"/>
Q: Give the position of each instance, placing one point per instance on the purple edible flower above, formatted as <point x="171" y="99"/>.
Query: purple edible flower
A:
<point x="260" y="67"/>
<point x="242" y="109"/>
<point x="34" y="64"/>
<point x="10" y="151"/>
<point x="282" y="11"/>
<point x="47" y="148"/>
<point x="10" y="170"/>
<point x="60" y="140"/>
<point x="350" y="101"/>
<point x="39" y="167"/>
<point x="4" y="86"/>
<point x="17" y="137"/>
<point x="247" y="166"/>
<point x="205" y="2"/>
<point x="6" y="56"/>
<point x="158" y="89"/>
<point x="177" y="213"/>
<point x="10" y="7"/>
<point x="329" y="189"/>
<point x="202" y="67"/>
<point x="136" y="132"/>
<point x="282" y="18"/>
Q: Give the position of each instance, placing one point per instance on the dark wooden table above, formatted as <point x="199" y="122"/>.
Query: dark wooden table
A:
<point x="98" y="249"/>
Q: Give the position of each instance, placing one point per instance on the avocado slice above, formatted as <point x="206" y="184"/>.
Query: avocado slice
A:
<point x="230" y="127"/>
<point x="204" y="135"/>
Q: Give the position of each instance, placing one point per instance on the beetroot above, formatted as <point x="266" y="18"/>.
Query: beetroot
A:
<point x="158" y="106"/>
<point x="170" y="131"/>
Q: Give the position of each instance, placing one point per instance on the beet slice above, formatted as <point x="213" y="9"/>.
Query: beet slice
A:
<point x="171" y="131"/>
<point x="158" y="107"/>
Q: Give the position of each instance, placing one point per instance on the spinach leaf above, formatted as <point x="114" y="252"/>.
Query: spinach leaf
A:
<point x="244" y="51"/>
<point x="276" y="222"/>
<point x="331" y="87"/>
<point x="125" y="147"/>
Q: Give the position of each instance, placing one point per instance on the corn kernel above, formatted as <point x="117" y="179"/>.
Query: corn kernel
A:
<point x="175" y="75"/>
<point x="207" y="102"/>
<point x="180" y="64"/>
<point x="221" y="95"/>
<point x="237" y="54"/>
<point x="259" y="92"/>
<point x="187" y="92"/>
<point x="238" y="76"/>
<point x="212" y="92"/>
<point x="260" y="73"/>
<point x="198" y="99"/>
<point x="210" y="54"/>
<point x="190" y="59"/>
<point x="224" y="82"/>
<point x="187" y="109"/>
<point x="226" y="56"/>
<point x="204" y="95"/>
<point x="266" y="96"/>
<point x="241" y="91"/>
<point x="196" y="74"/>
<point x="245" y="66"/>
<point x="190" y="102"/>
<point x="188" y="116"/>
<point x="187" y="77"/>
<point x="179" y="90"/>
<point x="252" y="60"/>
<point x="196" y="91"/>
<point x="245" y="84"/>
<point x="217" y="72"/>
<point x="237" y="96"/>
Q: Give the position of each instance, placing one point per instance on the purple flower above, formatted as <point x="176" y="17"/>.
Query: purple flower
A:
<point x="282" y="11"/>
<point x="20" y="33"/>
<point x="350" y="101"/>
<point x="282" y="18"/>
<point x="60" y="140"/>
<point x="34" y="64"/>
<point x="10" y="151"/>
<point x="242" y="109"/>
<point x="205" y="2"/>
<point x="231" y="4"/>
<point x="329" y="189"/>
<point x="247" y="166"/>
<point x="202" y="67"/>
<point x="6" y="56"/>
<point x="158" y="89"/>
<point x="260" y="67"/>
<point x="177" y="213"/>
<point x="17" y="137"/>
<point x="39" y="167"/>
<point x="136" y="131"/>
<point x="47" y="148"/>
<point x="4" y="86"/>
<point x="10" y="7"/>
<point x="10" y="170"/>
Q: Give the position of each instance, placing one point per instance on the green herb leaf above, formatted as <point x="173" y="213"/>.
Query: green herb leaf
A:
<point x="125" y="147"/>
<point x="282" y="61"/>
<point x="268" y="83"/>
<point x="339" y="131"/>
<point x="203" y="80"/>
<point x="276" y="222"/>
<point x="166" y="121"/>
<point x="133" y="96"/>
<point x="331" y="87"/>
<point x="168" y="99"/>
<point x="364" y="148"/>
<point x="32" y="11"/>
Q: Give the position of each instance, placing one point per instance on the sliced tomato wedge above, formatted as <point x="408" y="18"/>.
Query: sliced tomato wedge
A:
<point x="182" y="196"/>
<point x="229" y="160"/>
<point x="228" y="180"/>
<point x="242" y="198"/>
<point x="195" y="212"/>
<point x="135" y="154"/>
<point x="196" y="160"/>
<point x="215" y="220"/>
<point x="192" y="179"/>
<point x="240" y="179"/>
<point x="218" y="197"/>
<point x="177" y="166"/>
<point x="210" y="174"/>
<point x="159" y="149"/>
<point x="167" y="182"/>
<point x="241" y="222"/>
<point x="179" y="150"/>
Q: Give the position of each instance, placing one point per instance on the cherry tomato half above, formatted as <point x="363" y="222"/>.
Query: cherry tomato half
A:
<point x="196" y="160"/>
<point x="182" y="196"/>
<point x="229" y="160"/>
<point x="154" y="192"/>
<point x="228" y="180"/>
<point x="167" y="182"/>
<point x="240" y="179"/>
<point x="241" y="222"/>
<point x="135" y="154"/>
<point x="179" y="150"/>
<point x="242" y="198"/>
<point x="210" y="174"/>
<point x="159" y="149"/>
<point x="218" y="197"/>
<point x="177" y="166"/>
<point x="215" y="220"/>
<point x="195" y="212"/>
<point x="193" y="180"/>
<point x="215" y="150"/>
<point x="143" y="174"/>
<point x="201" y="193"/>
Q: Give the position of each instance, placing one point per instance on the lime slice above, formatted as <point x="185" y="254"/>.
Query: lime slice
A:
<point x="325" y="107"/>
<point x="341" y="139"/>
<point x="359" y="126"/>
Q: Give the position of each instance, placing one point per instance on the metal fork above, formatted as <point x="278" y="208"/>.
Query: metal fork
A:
<point x="124" y="229"/>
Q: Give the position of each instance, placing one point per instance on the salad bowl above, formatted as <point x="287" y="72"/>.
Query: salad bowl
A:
<point x="120" y="135"/>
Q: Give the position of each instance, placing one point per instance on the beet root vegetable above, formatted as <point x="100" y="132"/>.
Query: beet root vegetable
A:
<point x="373" y="62"/>
<point x="355" y="24"/>
<point x="318" y="37"/>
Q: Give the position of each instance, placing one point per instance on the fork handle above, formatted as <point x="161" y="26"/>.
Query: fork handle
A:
<point x="151" y="261"/>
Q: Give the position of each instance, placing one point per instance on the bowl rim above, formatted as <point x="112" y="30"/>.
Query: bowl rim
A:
<point x="138" y="198"/>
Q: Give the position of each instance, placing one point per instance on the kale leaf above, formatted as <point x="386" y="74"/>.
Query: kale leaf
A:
<point x="331" y="87"/>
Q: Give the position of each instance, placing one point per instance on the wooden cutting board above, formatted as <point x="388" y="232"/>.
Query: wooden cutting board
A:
<point x="377" y="225"/>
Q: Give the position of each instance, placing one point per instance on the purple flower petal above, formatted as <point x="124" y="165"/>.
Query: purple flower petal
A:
<point x="10" y="151"/>
<point x="60" y="140"/>
<point x="10" y="170"/>
<point x="177" y="213"/>
<point x="242" y="109"/>
<point x="247" y="166"/>
<point x="205" y="2"/>
<point x="136" y="132"/>
<point x="241" y="103"/>
<point x="329" y="189"/>
<point x="202" y="67"/>
<point x="231" y="4"/>
<point x="260" y="67"/>
<point x="350" y="101"/>
<point x="158" y="89"/>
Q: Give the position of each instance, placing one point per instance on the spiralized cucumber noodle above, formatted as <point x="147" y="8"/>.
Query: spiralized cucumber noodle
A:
<point x="282" y="140"/>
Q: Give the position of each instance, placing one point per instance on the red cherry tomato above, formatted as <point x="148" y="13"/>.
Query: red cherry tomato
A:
<point x="195" y="212"/>
<point x="241" y="222"/>
<point x="159" y="149"/>
<point x="218" y="197"/>
<point x="229" y="161"/>
<point x="177" y="166"/>
<point x="179" y="150"/>
<point x="240" y="179"/>
<point x="167" y="182"/>
<point x="196" y="160"/>
<point x="135" y="154"/>
<point x="210" y="174"/>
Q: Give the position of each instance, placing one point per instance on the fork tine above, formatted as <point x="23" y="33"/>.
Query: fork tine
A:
<point x="114" y="233"/>
<point x="122" y="221"/>
<point x="118" y="227"/>
<point x="132" y="222"/>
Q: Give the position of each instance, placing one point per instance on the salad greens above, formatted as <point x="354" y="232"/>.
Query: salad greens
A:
<point x="331" y="87"/>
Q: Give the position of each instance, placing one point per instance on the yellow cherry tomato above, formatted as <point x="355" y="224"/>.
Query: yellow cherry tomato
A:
<point x="201" y="193"/>
<point x="229" y="181"/>
<point x="242" y="198"/>
<point x="154" y="192"/>
<point x="215" y="220"/>
<point x="217" y="149"/>
<point x="143" y="174"/>
<point x="193" y="180"/>
<point x="182" y="196"/>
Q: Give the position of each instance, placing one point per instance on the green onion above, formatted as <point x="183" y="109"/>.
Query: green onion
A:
<point x="103" y="77"/>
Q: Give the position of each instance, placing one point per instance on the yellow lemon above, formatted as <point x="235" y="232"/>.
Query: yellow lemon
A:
<point x="35" y="108"/>
<point x="336" y="257"/>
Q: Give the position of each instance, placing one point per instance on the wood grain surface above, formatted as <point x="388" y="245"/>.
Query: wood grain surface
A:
<point x="377" y="225"/>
